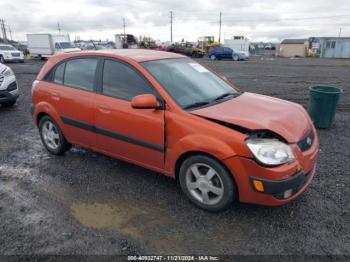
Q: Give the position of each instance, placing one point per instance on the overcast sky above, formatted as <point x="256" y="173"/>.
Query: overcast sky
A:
<point x="259" y="20"/>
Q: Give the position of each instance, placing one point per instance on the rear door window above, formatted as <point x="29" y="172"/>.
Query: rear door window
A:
<point x="121" y="81"/>
<point x="80" y="73"/>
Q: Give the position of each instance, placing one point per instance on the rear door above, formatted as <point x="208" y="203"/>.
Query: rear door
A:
<point x="220" y="53"/>
<point x="122" y="131"/>
<point x="72" y="93"/>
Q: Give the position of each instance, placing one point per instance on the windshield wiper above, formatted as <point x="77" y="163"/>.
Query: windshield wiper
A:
<point x="224" y="96"/>
<point x="203" y="103"/>
<point x="197" y="104"/>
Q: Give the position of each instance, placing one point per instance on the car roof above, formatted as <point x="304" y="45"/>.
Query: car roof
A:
<point x="138" y="55"/>
<point x="133" y="55"/>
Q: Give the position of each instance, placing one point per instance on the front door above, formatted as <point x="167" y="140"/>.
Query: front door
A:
<point x="132" y="134"/>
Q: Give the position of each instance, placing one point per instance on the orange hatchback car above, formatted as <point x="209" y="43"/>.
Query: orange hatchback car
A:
<point x="166" y="112"/>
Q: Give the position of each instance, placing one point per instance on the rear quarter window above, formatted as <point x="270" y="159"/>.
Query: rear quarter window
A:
<point x="80" y="73"/>
<point x="58" y="74"/>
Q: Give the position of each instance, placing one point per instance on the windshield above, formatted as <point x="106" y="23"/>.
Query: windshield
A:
<point x="66" y="45"/>
<point x="189" y="83"/>
<point x="7" y="47"/>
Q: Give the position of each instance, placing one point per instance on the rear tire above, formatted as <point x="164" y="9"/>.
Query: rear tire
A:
<point x="52" y="137"/>
<point x="2" y="60"/>
<point x="207" y="183"/>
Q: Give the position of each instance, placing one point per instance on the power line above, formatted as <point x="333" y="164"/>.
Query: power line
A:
<point x="285" y="19"/>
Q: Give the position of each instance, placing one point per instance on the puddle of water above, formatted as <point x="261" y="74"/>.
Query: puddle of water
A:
<point x="125" y="219"/>
<point x="152" y="226"/>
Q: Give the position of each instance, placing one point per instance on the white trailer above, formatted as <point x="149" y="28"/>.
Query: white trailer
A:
<point x="238" y="43"/>
<point x="125" y="41"/>
<point x="46" y="45"/>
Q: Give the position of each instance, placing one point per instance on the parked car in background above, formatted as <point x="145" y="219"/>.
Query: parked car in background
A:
<point x="23" y="48"/>
<point x="168" y="113"/>
<point x="187" y="49"/>
<point x="47" y="45"/>
<point x="10" y="54"/>
<point x="8" y="86"/>
<point x="226" y="53"/>
<point x="268" y="46"/>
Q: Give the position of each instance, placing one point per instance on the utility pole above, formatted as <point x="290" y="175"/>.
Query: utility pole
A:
<point x="59" y="28"/>
<point x="3" y="30"/>
<point x="171" y="26"/>
<point x="124" y="25"/>
<point x="125" y="40"/>
<point x="10" y="31"/>
<point x="220" y="28"/>
<point x="339" y="33"/>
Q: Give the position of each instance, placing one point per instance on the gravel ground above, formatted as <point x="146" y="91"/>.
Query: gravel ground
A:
<point x="86" y="203"/>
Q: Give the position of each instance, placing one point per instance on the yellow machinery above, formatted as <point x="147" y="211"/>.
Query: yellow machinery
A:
<point x="205" y="42"/>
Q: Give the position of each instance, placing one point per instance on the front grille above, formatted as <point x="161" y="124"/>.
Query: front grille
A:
<point x="1" y="80"/>
<point x="15" y="54"/>
<point x="12" y="86"/>
<point x="305" y="143"/>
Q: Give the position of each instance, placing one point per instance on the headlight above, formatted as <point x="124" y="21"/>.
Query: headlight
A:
<point x="270" y="151"/>
<point x="7" y="72"/>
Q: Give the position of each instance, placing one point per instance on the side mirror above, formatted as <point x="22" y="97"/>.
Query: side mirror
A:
<point x="146" y="101"/>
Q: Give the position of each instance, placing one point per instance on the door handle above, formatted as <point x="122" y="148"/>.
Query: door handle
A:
<point x="55" y="96"/>
<point x="104" y="109"/>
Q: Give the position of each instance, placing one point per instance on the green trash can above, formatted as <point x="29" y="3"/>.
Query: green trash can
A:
<point x="323" y="104"/>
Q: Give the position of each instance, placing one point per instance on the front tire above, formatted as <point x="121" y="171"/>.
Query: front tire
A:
<point x="235" y="57"/>
<point x="2" y="60"/>
<point x="207" y="183"/>
<point x="52" y="137"/>
<point x="8" y="104"/>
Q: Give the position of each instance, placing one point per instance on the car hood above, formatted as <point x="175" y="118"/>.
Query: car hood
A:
<point x="259" y="112"/>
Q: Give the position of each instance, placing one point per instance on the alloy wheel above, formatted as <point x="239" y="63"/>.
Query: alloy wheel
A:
<point x="50" y="135"/>
<point x="204" y="184"/>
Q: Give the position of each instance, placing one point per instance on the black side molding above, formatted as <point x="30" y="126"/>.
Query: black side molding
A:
<point x="112" y="134"/>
